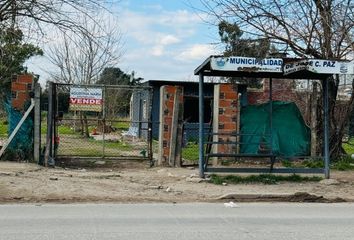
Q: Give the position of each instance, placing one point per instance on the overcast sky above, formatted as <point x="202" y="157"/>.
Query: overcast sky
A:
<point x="163" y="39"/>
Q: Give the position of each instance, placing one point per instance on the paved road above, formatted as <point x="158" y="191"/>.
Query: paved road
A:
<point x="177" y="221"/>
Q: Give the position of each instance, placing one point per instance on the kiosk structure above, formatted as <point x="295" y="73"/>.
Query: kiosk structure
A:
<point x="281" y="68"/>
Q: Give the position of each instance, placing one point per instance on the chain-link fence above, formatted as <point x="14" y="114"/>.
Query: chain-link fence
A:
<point x="102" y="121"/>
<point x="190" y="143"/>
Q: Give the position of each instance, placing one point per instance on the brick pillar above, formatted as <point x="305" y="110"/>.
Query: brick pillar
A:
<point x="225" y="118"/>
<point x="167" y="97"/>
<point x="21" y="86"/>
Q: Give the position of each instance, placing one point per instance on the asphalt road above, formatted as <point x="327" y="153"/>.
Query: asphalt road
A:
<point x="264" y="221"/>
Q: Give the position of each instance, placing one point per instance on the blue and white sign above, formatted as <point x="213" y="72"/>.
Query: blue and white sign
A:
<point x="320" y="66"/>
<point x="246" y="64"/>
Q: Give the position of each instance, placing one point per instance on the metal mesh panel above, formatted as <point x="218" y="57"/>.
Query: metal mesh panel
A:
<point x="104" y="121"/>
<point x="190" y="143"/>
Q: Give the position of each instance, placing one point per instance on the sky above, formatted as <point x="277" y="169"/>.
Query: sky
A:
<point x="162" y="39"/>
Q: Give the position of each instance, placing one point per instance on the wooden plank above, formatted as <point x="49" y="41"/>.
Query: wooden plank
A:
<point x="179" y="133"/>
<point x="174" y="126"/>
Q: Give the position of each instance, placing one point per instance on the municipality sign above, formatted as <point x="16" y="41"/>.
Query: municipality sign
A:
<point x="86" y="99"/>
<point x="276" y="65"/>
<point x="319" y="66"/>
<point x="246" y="64"/>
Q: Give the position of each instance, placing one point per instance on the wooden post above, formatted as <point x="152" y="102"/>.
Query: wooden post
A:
<point x="179" y="130"/>
<point x="174" y="128"/>
<point x="161" y="159"/>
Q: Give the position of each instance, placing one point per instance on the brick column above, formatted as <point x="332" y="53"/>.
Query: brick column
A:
<point x="21" y="86"/>
<point x="167" y="98"/>
<point x="225" y="118"/>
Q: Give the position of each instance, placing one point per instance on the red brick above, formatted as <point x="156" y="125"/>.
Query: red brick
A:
<point x="225" y="103"/>
<point x="231" y="95"/>
<point x="25" y="78"/>
<point x="229" y="126"/>
<point x="166" y="151"/>
<point x="170" y="89"/>
<point x="226" y="87"/>
<point x="167" y="136"/>
<point x="230" y="111"/>
<point x="224" y="119"/>
<point x="168" y="121"/>
<point x="17" y="104"/>
<point x="15" y="86"/>
<point x="169" y="105"/>
<point x="22" y="96"/>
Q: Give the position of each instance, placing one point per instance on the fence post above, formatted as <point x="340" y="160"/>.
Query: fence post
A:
<point x="37" y="123"/>
<point x="49" y="139"/>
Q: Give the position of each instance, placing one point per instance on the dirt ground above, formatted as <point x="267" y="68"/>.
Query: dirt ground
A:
<point x="30" y="183"/>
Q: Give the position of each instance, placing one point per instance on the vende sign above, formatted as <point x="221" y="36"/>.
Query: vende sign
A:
<point x="86" y="99"/>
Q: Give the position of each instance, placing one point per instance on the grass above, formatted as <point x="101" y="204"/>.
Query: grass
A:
<point x="115" y="145"/>
<point x="349" y="146"/>
<point x="262" y="178"/>
<point x="121" y="125"/>
<point x="191" y="152"/>
<point x="3" y="129"/>
<point x="344" y="163"/>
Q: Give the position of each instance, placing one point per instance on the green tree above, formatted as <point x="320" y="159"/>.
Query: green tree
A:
<point x="13" y="54"/>
<point x="231" y="36"/>
<point x="115" y="76"/>
<point x="117" y="99"/>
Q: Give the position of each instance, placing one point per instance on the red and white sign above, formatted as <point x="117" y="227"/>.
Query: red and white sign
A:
<point x="86" y="99"/>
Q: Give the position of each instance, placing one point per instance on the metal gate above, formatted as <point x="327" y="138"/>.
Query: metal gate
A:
<point x="99" y="121"/>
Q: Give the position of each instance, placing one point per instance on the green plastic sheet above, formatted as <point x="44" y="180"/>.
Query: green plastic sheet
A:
<point x="289" y="135"/>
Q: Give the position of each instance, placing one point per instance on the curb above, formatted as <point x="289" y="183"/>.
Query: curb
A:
<point x="282" y="197"/>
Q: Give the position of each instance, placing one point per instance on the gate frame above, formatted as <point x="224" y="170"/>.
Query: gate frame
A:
<point x="51" y="136"/>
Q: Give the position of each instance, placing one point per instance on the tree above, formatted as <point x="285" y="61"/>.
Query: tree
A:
<point x="117" y="101"/>
<point x="80" y="58"/>
<point x="322" y="29"/>
<point x="231" y="35"/>
<point x="13" y="53"/>
<point x="38" y="15"/>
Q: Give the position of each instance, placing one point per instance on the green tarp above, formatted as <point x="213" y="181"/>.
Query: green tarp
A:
<point x="290" y="135"/>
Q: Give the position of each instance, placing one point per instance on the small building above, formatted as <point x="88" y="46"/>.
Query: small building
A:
<point x="222" y="112"/>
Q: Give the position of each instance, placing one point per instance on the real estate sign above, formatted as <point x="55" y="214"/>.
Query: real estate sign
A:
<point x="86" y="99"/>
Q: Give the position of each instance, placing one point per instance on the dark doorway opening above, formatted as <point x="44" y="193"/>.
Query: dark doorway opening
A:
<point x="191" y="106"/>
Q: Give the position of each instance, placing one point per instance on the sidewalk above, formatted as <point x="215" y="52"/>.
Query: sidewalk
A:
<point x="20" y="182"/>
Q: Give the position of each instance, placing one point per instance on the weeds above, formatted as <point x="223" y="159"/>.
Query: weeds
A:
<point x="262" y="178"/>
